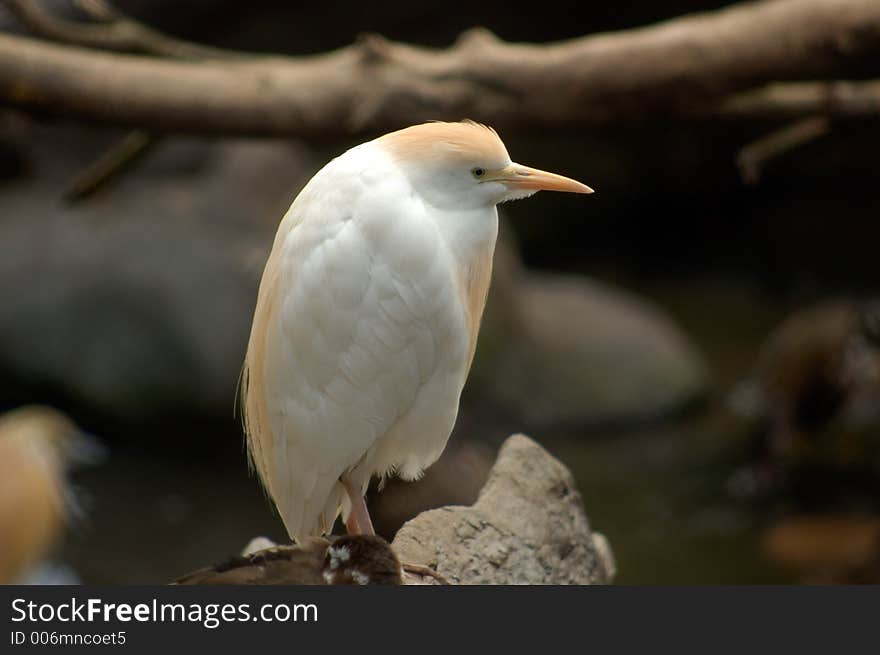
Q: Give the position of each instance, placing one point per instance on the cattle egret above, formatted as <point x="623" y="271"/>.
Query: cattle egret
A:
<point x="367" y="316"/>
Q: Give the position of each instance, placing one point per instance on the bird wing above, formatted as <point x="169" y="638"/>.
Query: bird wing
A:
<point x="352" y="307"/>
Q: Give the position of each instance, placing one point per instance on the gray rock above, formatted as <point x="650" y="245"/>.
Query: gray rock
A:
<point x="138" y="300"/>
<point x="566" y="351"/>
<point x="528" y="526"/>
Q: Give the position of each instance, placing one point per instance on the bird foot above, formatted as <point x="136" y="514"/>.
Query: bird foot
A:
<point x="424" y="571"/>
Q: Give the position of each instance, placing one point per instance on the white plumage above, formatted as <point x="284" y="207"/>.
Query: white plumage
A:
<point x="367" y="314"/>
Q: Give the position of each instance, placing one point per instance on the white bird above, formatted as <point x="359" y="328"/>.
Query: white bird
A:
<point x="367" y="316"/>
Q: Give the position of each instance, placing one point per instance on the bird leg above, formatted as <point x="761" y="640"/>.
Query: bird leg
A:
<point x="359" y="518"/>
<point x="359" y="523"/>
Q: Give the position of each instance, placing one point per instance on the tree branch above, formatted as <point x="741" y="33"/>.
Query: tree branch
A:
<point x="114" y="31"/>
<point x="687" y="68"/>
<point x="792" y="100"/>
<point x="753" y="157"/>
<point x="127" y="150"/>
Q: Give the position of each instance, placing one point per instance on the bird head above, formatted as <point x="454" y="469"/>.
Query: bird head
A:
<point x="360" y="560"/>
<point x="37" y="447"/>
<point x="466" y="166"/>
<point x="54" y="435"/>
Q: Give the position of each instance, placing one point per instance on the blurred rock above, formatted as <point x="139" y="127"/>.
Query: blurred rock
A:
<point x="567" y="351"/>
<point x="137" y="300"/>
<point x="527" y="527"/>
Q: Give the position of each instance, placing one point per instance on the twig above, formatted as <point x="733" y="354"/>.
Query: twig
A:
<point x="131" y="147"/>
<point x="113" y="31"/>
<point x="98" y="10"/>
<point x="755" y="156"/>
<point x="792" y="100"/>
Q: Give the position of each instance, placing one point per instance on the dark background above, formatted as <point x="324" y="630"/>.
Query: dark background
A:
<point x="130" y="309"/>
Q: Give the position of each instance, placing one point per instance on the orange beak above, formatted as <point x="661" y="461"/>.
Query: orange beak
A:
<point x="517" y="176"/>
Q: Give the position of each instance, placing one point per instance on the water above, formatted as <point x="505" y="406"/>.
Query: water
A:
<point x="660" y="494"/>
<point x="662" y="500"/>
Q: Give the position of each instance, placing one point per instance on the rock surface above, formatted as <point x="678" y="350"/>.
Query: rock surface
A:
<point x="528" y="526"/>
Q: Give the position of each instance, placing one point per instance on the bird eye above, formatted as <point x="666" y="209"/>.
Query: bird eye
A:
<point x="477" y="172"/>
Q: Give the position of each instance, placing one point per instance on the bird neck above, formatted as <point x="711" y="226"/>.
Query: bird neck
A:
<point x="469" y="234"/>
